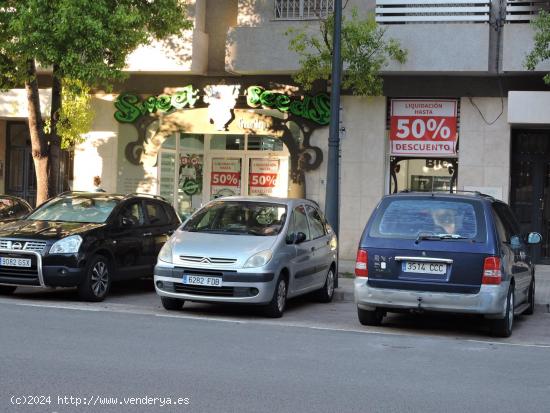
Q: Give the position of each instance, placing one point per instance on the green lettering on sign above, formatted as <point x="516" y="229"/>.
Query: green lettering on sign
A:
<point x="130" y="108"/>
<point x="315" y="108"/>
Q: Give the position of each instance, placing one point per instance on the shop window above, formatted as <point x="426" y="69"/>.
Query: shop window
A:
<point x="423" y="174"/>
<point x="227" y="142"/>
<point x="169" y="142"/>
<point x="264" y="143"/>
<point x="191" y="142"/>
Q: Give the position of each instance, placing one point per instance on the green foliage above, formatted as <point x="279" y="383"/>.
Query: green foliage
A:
<point x="541" y="50"/>
<point x="76" y="113"/>
<point x="89" y="40"/>
<point x="364" y="50"/>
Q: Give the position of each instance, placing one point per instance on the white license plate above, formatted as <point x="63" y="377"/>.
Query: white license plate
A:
<point x="15" y="262"/>
<point x="425" y="267"/>
<point x="201" y="280"/>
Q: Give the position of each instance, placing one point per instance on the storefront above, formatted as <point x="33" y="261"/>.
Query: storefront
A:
<point x="423" y="144"/>
<point x="196" y="143"/>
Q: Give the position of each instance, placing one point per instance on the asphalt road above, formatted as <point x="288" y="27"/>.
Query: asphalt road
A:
<point x="229" y="359"/>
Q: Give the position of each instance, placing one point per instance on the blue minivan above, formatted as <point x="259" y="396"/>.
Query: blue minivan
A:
<point x="459" y="253"/>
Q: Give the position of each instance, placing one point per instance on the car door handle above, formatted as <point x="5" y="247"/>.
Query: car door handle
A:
<point x="147" y="234"/>
<point x="312" y="249"/>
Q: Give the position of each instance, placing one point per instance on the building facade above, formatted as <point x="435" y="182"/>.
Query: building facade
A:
<point x="216" y="112"/>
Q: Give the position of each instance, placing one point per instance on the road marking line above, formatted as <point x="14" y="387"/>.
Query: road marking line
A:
<point x="139" y="311"/>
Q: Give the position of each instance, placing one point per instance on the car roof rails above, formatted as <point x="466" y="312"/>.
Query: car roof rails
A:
<point x="145" y="195"/>
<point x="458" y="191"/>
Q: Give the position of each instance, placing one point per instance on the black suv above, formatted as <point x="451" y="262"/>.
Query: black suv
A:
<point x="85" y="240"/>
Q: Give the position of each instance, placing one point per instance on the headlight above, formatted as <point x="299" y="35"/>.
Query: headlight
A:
<point x="68" y="245"/>
<point x="165" y="254"/>
<point x="258" y="260"/>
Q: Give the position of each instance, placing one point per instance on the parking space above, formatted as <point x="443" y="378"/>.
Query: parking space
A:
<point x="138" y="296"/>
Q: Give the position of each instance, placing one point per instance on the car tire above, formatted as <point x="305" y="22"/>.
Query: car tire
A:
<point x="531" y="299"/>
<point x="97" y="281"/>
<point x="325" y="294"/>
<point x="171" y="304"/>
<point x="370" y="317"/>
<point x="503" y="327"/>
<point x="7" y="289"/>
<point x="276" y="306"/>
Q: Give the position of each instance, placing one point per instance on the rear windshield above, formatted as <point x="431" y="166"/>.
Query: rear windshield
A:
<point x="409" y="218"/>
<point x="238" y="218"/>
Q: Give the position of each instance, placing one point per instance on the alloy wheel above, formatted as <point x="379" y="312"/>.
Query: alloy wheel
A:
<point x="99" y="278"/>
<point x="281" y="295"/>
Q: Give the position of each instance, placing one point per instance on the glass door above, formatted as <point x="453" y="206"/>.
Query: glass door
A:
<point x="530" y="187"/>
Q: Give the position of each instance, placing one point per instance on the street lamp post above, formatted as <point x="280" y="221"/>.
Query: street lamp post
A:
<point x="332" y="197"/>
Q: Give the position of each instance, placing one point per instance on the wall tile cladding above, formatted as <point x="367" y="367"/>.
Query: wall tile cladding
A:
<point x="484" y="158"/>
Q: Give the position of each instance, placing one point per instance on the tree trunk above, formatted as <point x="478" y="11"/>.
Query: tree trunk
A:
<point x="39" y="144"/>
<point x="54" y="178"/>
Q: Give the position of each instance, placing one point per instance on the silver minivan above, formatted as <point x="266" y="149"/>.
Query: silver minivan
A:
<point x="254" y="250"/>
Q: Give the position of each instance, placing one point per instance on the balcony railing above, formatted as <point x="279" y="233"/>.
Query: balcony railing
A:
<point x="432" y="11"/>
<point x="524" y="11"/>
<point x="303" y="9"/>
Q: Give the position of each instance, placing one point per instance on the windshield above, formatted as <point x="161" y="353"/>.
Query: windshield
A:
<point x="249" y="218"/>
<point x="78" y="208"/>
<point x="429" y="219"/>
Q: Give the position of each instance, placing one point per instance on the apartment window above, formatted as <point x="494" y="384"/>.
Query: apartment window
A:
<point x="303" y="9"/>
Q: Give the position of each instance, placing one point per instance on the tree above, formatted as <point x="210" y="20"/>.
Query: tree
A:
<point x="541" y="49"/>
<point x="365" y="51"/>
<point x="84" y="43"/>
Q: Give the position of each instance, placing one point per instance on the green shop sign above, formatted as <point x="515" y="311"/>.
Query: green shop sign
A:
<point x="315" y="108"/>
<point x="130" y="107"/>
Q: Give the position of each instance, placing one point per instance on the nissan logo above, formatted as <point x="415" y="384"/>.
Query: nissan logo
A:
<point x="17" y="246"/>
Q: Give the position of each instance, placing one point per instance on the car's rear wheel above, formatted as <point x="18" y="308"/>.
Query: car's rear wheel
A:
<point x="503" y="327"/>
<point x="531" y="298"/>
<point x="7" y="289"/>
<point x="326" y="293"/>
<point x="276" y="306"/>
<point x="97" y="283"/>
<point x="370" y="317"/>
<point x="172" y="304"/>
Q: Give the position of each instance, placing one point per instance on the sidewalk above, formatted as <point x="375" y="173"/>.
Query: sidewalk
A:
<point x="344" y="292"/>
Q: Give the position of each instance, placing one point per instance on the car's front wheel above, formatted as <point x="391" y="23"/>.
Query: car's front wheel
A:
<point x="97" y="282"/>
<point x="502" y="327"/>
<point x="531" y="298"/>
<point x="370" y="317"/>
<point x="171" y="304"/>
<point x="276" y="306"/>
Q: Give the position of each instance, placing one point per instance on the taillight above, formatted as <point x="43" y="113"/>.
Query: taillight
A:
<point x="491" y="271"/>
<point x="361" y="268"/>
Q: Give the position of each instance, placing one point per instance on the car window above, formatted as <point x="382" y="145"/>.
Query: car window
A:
<point x="8" y="208"/>
<point x="503" y="234"/>
<point x="156" y="213"/>
<point x="408" y="217"/>
<point x="133" y="214"/>
<point x="315" y="223"/>
<point x="300" y="221"/>
<point x="75" y="208"/>
<point x="239" y="218"/>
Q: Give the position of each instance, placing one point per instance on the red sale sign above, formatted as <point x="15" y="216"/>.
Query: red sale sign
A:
<point x="423" y="127"/>
<point x="263" y="175"/>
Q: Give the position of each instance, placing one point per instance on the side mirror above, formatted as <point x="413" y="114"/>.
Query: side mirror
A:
<point x="299" y="238"/>
<point x="534" y="238"/>
<point x="125" y="222"/>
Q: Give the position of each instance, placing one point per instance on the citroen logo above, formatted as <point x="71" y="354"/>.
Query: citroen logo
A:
<point x="205" y="260"/>
<point x="17" y="246"/>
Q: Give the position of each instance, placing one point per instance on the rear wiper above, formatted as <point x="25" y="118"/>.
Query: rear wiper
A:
<point x="427" y="236"/>
<point x="450" y="236"/>
<point x="436" y="237"/>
